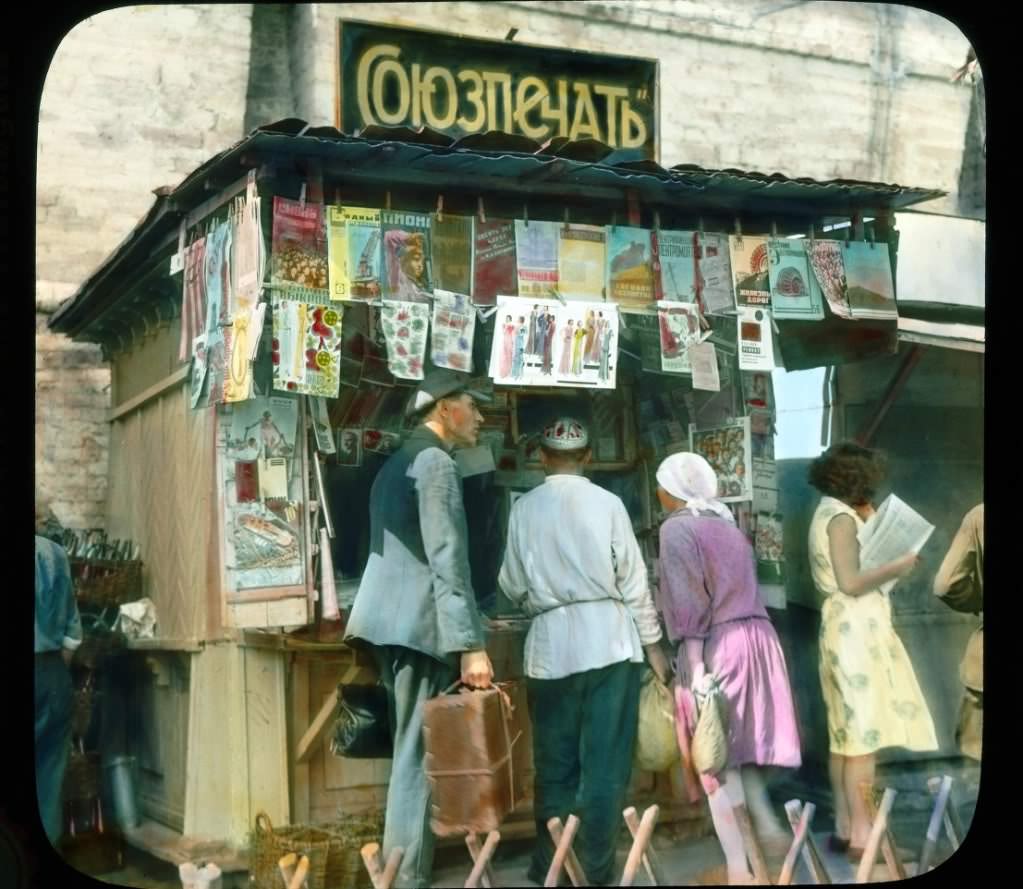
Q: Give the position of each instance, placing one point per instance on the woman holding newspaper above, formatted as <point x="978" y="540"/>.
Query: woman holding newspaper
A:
<point x="870" y="691"/>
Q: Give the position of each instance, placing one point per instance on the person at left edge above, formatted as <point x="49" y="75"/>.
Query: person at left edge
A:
<point x="58" y="633"/>
<point x="415" y="605"/>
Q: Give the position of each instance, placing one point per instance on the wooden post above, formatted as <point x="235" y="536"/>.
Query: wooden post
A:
<point x="753" y="850"/>
<point x="952" y="827"/>
<point x="888" y="848"/>
<point x="801" y="832"/>
<point x="877" y="832"/>
<point x="639" y="844"/>
<point x="381" y="875"/>
<point x="934" y="826"/>
<point x="811" y="854"/>
<point x="563" y="854"/>
<point x="651" y="863"/>
<point x="480" y="873"/>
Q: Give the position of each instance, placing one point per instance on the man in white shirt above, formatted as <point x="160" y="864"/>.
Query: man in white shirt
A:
<point x="572" y="562"/>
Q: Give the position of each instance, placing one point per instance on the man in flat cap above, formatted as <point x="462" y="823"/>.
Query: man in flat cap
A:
<point x="415" y="606"/>
<point x="573" y="563"/>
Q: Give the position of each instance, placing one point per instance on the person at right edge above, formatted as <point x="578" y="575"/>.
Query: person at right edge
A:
<point x="574" y="565"/>
<point x="960" y="585"/>
<point x="415" y="606"/>
<point x="871" y="694"/>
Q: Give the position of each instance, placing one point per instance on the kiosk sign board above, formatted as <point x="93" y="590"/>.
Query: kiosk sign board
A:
<point x="408" y="77"/>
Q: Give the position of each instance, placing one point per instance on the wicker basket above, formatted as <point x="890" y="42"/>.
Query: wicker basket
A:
<point x="82" y="778"/>
<point x="106" y="583"/>
<point x="348" y="835"/>
<point x="268" y="845"/>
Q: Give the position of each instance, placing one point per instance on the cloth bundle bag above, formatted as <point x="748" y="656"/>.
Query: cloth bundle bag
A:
<point x="656" y="741"/>
<point x="710" y="738"/>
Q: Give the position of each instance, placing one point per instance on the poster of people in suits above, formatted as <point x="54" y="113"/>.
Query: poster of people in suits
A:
<point x="544" y="343"/>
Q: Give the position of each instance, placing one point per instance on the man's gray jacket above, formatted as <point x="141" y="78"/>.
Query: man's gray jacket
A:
<point x="416" y="590"/>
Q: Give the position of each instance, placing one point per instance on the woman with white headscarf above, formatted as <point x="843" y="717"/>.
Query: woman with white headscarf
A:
<point x="712" y="610"/>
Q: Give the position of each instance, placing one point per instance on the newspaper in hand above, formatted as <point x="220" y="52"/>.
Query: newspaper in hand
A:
<point x="894" y="530"/>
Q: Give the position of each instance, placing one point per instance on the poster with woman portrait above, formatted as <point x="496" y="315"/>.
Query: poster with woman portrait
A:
<point x="728" y="449"/>
<point x="407" y="255"/>
<point x="538" y="343"/>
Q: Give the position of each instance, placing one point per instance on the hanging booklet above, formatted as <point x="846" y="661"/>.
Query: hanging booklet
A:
<point x="536" y="250"/>
<point x="703" y="358"/>
<point x="494" y="269"/>
<point x="238" y="344"/>
<point x="452" y="252"/>
<point x="679" y="325"/>
<point x="193" y="297"/>
<point x="216" y="365"/>
<point x="299" y="245"/>
<point x="829" y="270"/>
<point x="581" y="258"/>
<point x="405" y="327"/>
<point x="716" y="289"/>
<point x="758" y="390"/>
<point x="264" y="425"/>
<point x="337" y="254"/>
<point x="407" y="254"/>
<point x="247" y="255"/>
<point x="307" y="340"/>
<point x="756" y="339"/>
<point x="349" y="447"/>
<point x="360" y="254"/>
<point x="321" y="425"/>
<point x="748" y="256"/>
<point x="453" y="330"/>
<point x="868" y="277"/>
<point x="630" y="271"/>
<point x="675" y="262"/>
<point x="218" y="286"/>
<point x="794" y="290"/>
<point x="727" y="449"/>
<point x="765" y="485"/>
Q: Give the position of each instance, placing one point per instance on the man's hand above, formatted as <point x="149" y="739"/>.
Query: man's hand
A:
<point x="477" y="671"/>
<point x="658" y="662"/>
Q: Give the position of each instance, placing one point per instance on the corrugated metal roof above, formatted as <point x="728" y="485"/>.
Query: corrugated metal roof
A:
<point x="486" y="162"/>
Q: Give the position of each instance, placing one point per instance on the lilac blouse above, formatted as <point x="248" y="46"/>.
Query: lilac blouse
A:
<point x="707" y="575"/>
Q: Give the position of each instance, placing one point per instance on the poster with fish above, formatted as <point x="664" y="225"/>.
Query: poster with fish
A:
<point x="298" y="245"/>
<point x="536" y="251"/>
<point x="750" y="275"/>
<point x="494" y="269"/>
<point x="539" y="343"/>
<point x="870" y="289"/>
<point x="405" y="327"/>
<point x="829" y="270"/>
<point x="679" y="326"/>
<point x="630" y="271"/>
<point x="795" y="293"/>
<point x="452" y="252"/>
<point x="582" y="255"/>
<point x="727" y="449"/>
<point x="453" y="330"/>
<point x="408" y="256"/>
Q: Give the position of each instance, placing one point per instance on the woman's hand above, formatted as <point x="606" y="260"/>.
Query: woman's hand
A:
<point x="477" y="671"/>
<point x="906" y="564"/>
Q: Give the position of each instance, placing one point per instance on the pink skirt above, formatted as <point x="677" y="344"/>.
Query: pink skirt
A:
<point x="747" y="658"/>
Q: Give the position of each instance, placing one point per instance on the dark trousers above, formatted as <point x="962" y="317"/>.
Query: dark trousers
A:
<point x="411" y="678"/>
<point x="53" y="738"/>
<point x="584" y="732"/>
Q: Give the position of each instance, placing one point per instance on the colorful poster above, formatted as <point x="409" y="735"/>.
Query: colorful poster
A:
<point x="218" y="291"/>
<point x="829" y="270"/>
<point x="453" y="330"/>
<point x="452" y="252"/>
<point x="536" y="250"/>
<point x="630" y="271"/>
<point x="582" y="255"/>
<point x="748" y="257"/>
<point x="299" y="245"/>
<point x="306" y="347"/>
<point x="727" y="449"/>
<point x="355" y="273"/>
<point x="494" y="269"/>
<point x="758" y="390"/>
<point x="193" y="296"/>
<point x="768" y="539"/>
<point x="794" y="291"/>
<point x="675" y="261"/>
<point x="216" y="362"/>
<point x="263" y="426"/>
<point x="868" y="277"/>
<point x="756" y="339"/>
<point x="198" y="379"/>
<point x="405" y="327"/>
<point x="549" y="344"/>
<point x="240" y="341"/>
<point x="247" y="253"/>
<point x="408" y="275"/>
<point x="679" y="325"/>
<point x="337" y="254"/>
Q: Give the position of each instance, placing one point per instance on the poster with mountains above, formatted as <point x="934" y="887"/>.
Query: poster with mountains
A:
<point x="630" y="270"/>
<point x="870" y="290"/>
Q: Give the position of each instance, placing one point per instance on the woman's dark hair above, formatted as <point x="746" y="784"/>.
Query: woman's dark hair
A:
<point x="849" y="472"/>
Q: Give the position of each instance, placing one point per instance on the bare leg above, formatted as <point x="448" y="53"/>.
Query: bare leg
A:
<point x="730" y="794"/>
<point x="765" y="822"/>
<point x="843" y="817"/>
<point x="858" y="770"/>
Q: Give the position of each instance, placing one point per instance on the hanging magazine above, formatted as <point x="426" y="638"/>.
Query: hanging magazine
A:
<point x="630" y="271"/>
<point x="536" y="250"/>
<point x="794" y="290"/>
<point x="727" y="449"/>
<point x="679" y="325"/>
<point x="756" y="339"/>
<point x="355" y="253"/>
<point x="408" y="274"/>
<point x="494" y="269"/>
<point x="868" y="277"/>
<point x="405" y="326"/>
<point x="454" y="326"/>
<point x="748" y="257"/>
<point x="675" y="259"/>
<point x="307" y="340"/>
<point x="581" y="258"/>
<point x="247" y="254"/>
<point x="452" y="252"/>
<point x="193" y="297"/>
<point x="299" y="245"/>
<point x="716" y="288"/>
<point x="829" y="270"/>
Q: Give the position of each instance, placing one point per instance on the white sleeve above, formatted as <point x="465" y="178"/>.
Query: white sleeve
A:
<point x="512" y="577"/>
<point x="631" y="576"/>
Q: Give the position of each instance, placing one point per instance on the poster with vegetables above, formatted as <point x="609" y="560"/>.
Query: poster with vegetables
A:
<point x="299" y="245"/>
<point x="405" y="327"/>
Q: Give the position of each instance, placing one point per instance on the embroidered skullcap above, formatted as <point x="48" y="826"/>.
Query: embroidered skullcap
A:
<point x="565" y="434"/>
